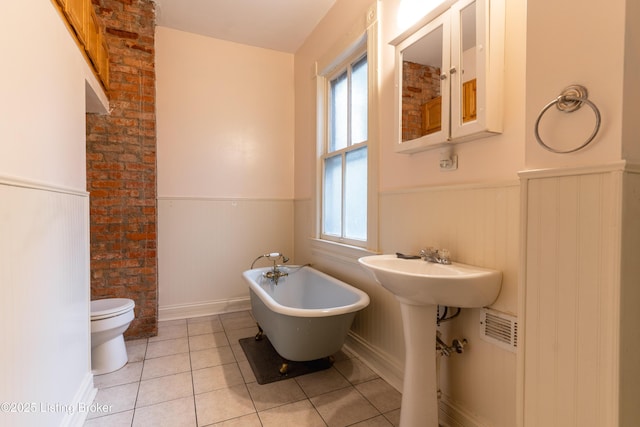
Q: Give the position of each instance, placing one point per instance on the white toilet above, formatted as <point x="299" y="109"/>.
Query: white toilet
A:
<point x="109" y="319"/>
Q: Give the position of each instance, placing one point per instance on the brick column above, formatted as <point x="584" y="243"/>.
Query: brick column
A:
<point x="121" y="166"/>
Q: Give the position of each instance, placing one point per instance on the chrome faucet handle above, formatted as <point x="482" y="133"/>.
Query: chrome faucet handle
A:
<point x="429" y="251"/>
<point x="444" y="256"/>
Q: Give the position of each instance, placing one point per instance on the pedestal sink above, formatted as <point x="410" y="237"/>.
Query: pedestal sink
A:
<point x="420" y="287"/>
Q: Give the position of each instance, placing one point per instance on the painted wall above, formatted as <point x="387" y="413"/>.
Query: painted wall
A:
<point x="473" y="211"/>
<point x="607" y="89"/>
<point x="225" y="167"/>
<point x="44" y="210"/>
<point x="581" y="221"/>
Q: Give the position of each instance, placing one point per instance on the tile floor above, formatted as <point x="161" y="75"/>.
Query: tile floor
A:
<point x="194" y="373"/>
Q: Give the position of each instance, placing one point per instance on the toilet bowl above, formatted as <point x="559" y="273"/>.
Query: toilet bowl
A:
<point x="109" y="319"/>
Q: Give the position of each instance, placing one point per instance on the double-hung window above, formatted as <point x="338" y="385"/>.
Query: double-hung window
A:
<point x="347" y="137"/>
<point x="345" y="153"/>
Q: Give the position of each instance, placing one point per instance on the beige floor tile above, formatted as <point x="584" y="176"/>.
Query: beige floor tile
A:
<point x="355" y="371"/>
<point x="298" y="414"/>
<point x="175" y="413"/>
<point x="121" y="419"/>
<point x="224" y="404"/>
<point x="213" y="340"/>
<point x="202" y="357"/>
<point x="216" y="377"/>
<point x="166" y="365"/>
<point x="322" y="382"/>
<point x="250" y="420"/>
<point x="247" y="372"/>
<point x="167" y="347"/>
<point x="235" y="334"/>
<point x="129" y="373"/>
<point x="279" y="393"/>
<point x="379" y="421"/>
<point x="206" y="325"/>
<point x="343" y="407"/>
<point x="170" y="330"/>
<point x="211" y="357"/>
<point x="207" y="318"/>
<point x="381" y="395"/>
<point x="238" y="352"/>
<point x="119" y="398"/>
<point x="393" y="417"/>
<point x="136" y="349"/>
<point x="239" y="320"/>
<point x="343" y="354"/>
<point x="163" y="389"/>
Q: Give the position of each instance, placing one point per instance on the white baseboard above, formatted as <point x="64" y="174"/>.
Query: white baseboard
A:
<point x="379" y="361"/>
<point x="454" y="415"/>
<point x="450" y="414"/>
<point x="81" y="404"/>
<point x="185" y="311"/>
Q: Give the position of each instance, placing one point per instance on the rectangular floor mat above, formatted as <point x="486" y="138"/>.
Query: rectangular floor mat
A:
<point x="266" y="363"/>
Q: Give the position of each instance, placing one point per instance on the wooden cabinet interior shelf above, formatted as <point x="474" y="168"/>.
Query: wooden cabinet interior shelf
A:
<point x="432" y="116"/>
<point x="469" y="101"/>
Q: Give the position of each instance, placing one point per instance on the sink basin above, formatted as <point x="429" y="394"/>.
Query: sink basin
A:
<point x="420" y="287"/>
<point x="416" y="281"/>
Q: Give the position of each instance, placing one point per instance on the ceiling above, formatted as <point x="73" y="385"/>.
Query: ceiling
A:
<point x="281" y="25"/>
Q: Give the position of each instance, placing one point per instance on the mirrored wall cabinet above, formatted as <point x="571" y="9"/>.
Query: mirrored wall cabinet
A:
<point x="449" y="75"/>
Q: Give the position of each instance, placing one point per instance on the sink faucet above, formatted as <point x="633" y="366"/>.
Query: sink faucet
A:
<point x="440" y="256"/>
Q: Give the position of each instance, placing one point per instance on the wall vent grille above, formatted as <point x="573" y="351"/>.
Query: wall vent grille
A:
<point x="499" y="328"/>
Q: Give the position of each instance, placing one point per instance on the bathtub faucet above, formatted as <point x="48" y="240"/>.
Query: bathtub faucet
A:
<point x="275" y="273"/>
<point x="440" y="256"/>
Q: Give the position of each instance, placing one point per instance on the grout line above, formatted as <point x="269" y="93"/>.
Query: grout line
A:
<point x="193" y="386"/>
<point x="135" y="403"/>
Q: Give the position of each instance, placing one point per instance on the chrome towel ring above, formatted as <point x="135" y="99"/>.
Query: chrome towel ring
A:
<point x="570" y="100"/>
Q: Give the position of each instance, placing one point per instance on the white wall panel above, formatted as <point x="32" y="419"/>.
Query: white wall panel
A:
<point x="44" y="289"/>
<point x="572" y="299"/>
<point x="205" y="244"/>
<point x="630" y="302"/>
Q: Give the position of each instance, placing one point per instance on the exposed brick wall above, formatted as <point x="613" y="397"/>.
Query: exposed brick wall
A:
<point x="121" y="166"/>
<point x="420" y="83"/>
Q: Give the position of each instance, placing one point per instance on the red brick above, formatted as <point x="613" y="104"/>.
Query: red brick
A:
<point x="121" y="162"/>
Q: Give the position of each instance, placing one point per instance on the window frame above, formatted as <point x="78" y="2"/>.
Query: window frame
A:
<point x="347" y="67"/>
<point x="348" y="53"/>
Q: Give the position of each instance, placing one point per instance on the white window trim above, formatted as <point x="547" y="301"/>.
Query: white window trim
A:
<point x="336" y="57"/>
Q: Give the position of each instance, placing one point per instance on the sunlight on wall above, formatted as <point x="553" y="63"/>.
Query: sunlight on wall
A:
<point x="409" y="11"/>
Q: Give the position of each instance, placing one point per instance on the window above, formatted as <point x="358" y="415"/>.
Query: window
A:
<point x="345" y="154"/>
<point x="347" y="142"/>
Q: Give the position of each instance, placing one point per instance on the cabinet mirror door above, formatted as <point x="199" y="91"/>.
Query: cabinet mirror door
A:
<point x="468" y="63"/>
<point x="424" y="95"/>
<point x="449" y="76"/>
<point x="468" y="68"/>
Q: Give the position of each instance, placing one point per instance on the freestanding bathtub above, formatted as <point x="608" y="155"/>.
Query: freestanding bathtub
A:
<point x="307" y="314"/>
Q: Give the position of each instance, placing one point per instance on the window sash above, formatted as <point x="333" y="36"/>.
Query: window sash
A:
<point x="345" y="155"/>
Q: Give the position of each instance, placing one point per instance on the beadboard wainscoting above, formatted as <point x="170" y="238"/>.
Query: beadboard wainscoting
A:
<point x="480" y="224"/>
<point x="44" y="300"/>
<point x="580" y="296"/>
<point x="204" y="244"/>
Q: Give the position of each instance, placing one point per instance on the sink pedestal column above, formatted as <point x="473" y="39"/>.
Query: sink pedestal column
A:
<point x="419" y="390"/>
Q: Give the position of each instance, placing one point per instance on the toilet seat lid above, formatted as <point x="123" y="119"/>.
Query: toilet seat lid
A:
<point x="110" y="307"/>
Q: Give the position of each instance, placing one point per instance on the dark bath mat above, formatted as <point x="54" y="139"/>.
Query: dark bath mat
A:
<point x="266" y="362"/>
